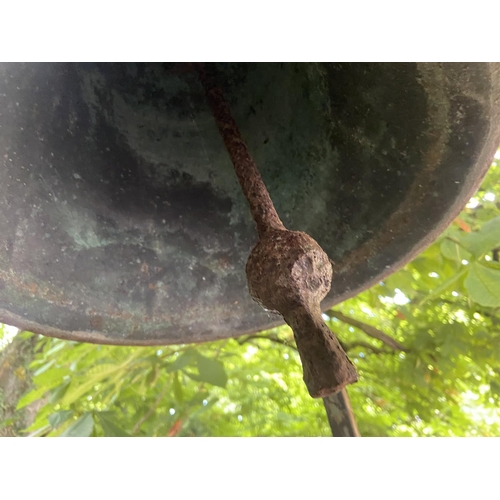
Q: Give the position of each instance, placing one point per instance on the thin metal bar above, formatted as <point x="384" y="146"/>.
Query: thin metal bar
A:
<point x="340" y="415"/>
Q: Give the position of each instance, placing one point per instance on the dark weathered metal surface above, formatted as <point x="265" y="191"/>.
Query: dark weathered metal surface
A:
<point x="122" y="221"/>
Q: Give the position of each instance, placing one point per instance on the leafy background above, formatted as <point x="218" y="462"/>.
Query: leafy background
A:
<point x="426" y="343"/>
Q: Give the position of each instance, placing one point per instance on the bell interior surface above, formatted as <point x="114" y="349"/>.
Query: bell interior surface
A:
<point x="122" y="220"/>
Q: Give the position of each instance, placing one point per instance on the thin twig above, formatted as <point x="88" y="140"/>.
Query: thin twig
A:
<point x="369" y="330"/>
<point x="366" y="345"/>
<point x="264" y="337"/>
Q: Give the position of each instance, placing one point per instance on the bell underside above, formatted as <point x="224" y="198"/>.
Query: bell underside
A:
<point x="122" y="220"/>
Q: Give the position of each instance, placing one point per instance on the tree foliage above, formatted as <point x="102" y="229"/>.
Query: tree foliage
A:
<point x="426" y="343"/>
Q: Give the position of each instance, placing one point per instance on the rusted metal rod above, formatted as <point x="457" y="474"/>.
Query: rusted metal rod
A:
<point x="340" y="415"/>
<point x="262" y="207"/>
<point x="287" y="271"/>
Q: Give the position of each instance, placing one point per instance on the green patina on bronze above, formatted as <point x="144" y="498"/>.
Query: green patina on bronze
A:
<point x="122" y="221"/>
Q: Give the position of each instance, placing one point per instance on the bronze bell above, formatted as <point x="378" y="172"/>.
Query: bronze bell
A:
<point x="121" y="218"/>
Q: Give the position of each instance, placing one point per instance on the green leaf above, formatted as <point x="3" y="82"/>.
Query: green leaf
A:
<point x="402" y="280"/>
<point x="483" y="285"/>
<point x="59" y="392"/>
<point x="25" y="334"/>
<point x="51" y="378"/>
<point x="83" y="427"/>
<point x="31" y="396"/>
<point x="495" y="388"/>
<point x="178" y="391"/>
<point x="110" y="428"/>
<point x="436" y="292"/>
<point x="491" y="264"/>
<point x="152" y="375"/>
<point x="44" y="368"/>
<point x="60" y="345"/>
<point x="211" y="371"/>
<point x="484" y="240"/>
<point x="425" y="266"/>
<point x="453" y="251"/>
<point x="79" y="387"/>
<point x="185" y="359"/>
<point x="102" y="370"/>
<point x="57" y="418"/>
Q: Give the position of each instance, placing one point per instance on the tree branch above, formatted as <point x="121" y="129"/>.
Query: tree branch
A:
<point x="366" y="345"/>
<point x="369" y="330"/>
<point x="277" y="340"/>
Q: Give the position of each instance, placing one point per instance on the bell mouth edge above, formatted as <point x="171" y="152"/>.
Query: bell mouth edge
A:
<point x="98" y="338"/>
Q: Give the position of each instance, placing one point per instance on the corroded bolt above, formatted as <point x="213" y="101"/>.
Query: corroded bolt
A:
<point x="287" y="271"/>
